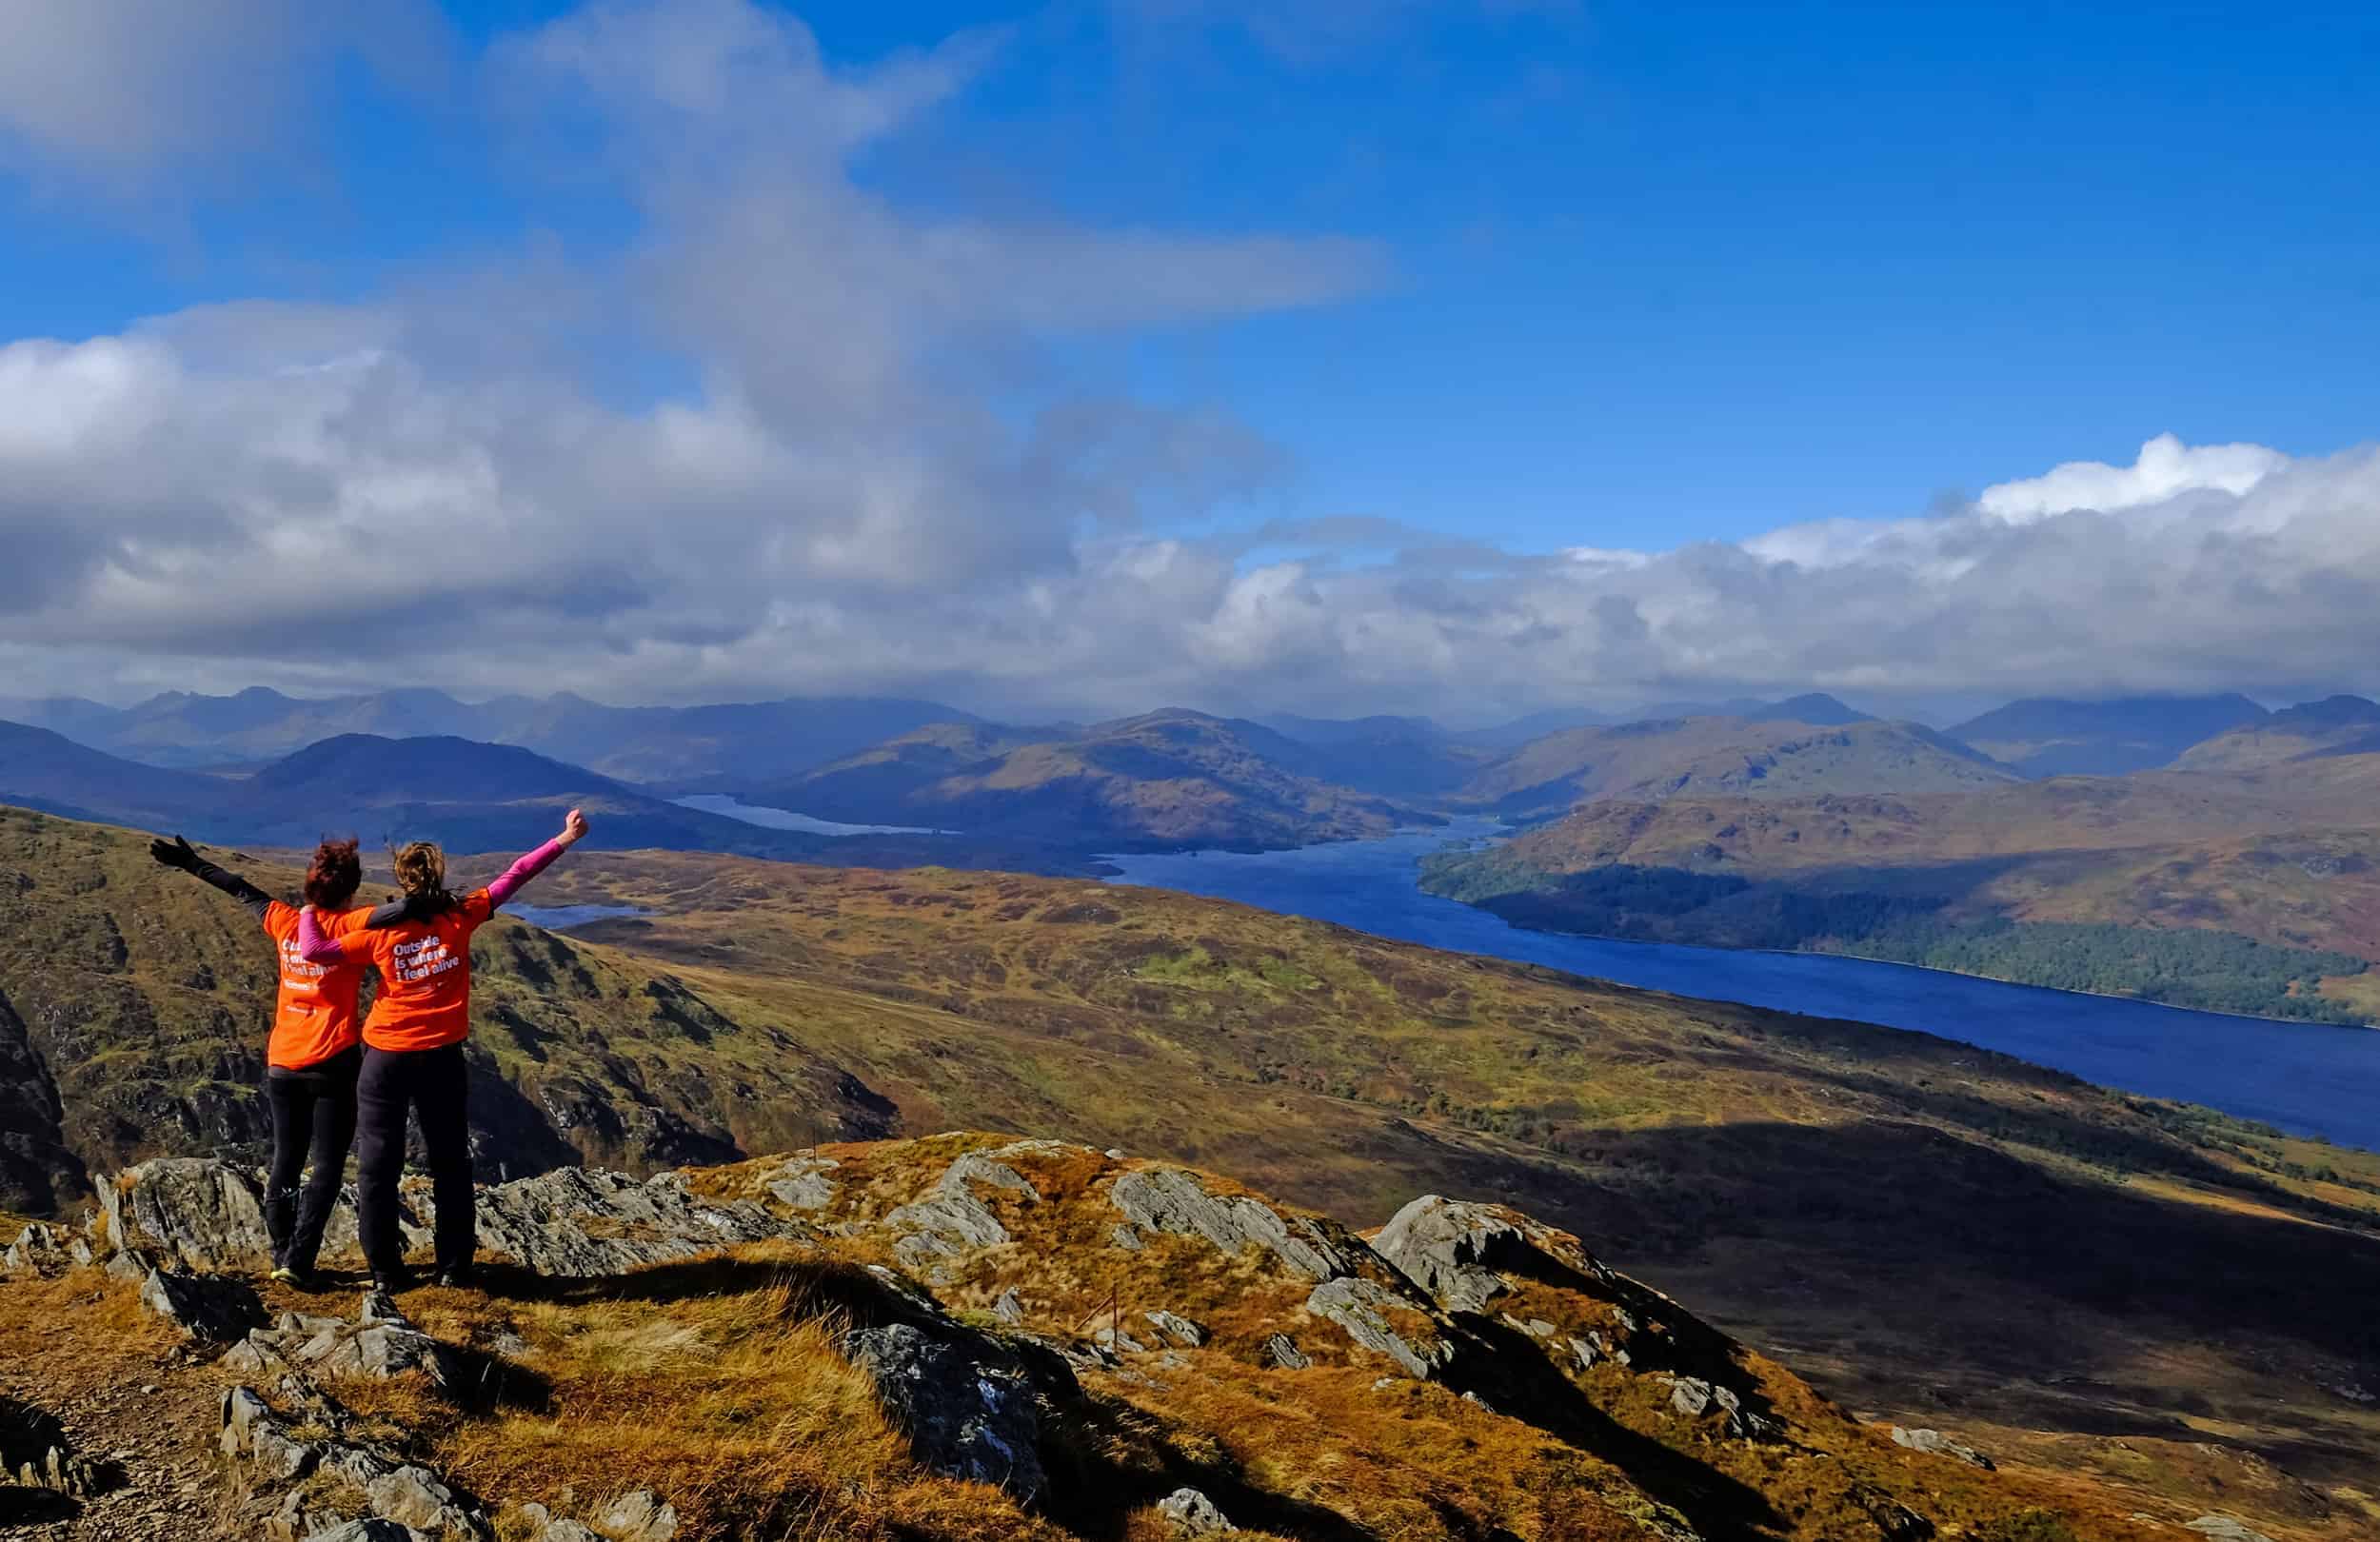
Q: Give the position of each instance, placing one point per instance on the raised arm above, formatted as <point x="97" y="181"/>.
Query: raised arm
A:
<point x="178" y="853"/>
<point x="573" y="830"/>
<point x="317" y="949"/>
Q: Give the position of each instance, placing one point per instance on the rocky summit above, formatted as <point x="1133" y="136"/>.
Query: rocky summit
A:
<point x="967" y="1336"/>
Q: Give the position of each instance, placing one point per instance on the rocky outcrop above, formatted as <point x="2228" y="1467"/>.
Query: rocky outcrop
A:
<point x="2224" y="1529"/>
<point x="1174" y="1200"/>
<point x="1462" y="1254"/>
<point x="36" y="1454"/>
<point x="281" y="1453"/>
<point x="41" y="1250"/>
<point x="1941" y="1445"/>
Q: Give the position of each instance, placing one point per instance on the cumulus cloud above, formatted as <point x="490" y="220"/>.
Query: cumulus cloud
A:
<point x="866" y="476"/>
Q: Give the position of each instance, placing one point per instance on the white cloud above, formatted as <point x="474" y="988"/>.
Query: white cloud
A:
<point x="876" y="481"/>
<point x="2166" y="468"/>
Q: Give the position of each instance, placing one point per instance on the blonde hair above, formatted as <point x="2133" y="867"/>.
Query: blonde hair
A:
<point x="422" y="871"/>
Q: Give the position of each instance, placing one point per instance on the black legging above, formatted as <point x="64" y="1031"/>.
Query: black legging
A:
<point x="435" y="1084"/>
<point x="313" y="1117"/>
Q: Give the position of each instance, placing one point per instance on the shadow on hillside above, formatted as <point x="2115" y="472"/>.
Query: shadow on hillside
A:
<point x="1902" y="1217"/>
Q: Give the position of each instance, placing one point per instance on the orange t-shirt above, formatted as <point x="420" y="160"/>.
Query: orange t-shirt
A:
<point x="425" y="998"/>
<point x="313" y="1017"/>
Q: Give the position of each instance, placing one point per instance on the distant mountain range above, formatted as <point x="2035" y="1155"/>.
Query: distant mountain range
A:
<point x="649" y="745"/>
<point x="2049" y="737"/>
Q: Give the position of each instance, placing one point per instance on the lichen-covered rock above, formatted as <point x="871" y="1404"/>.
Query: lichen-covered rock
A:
<point x="1191" y="1514"/>
<point x="399" y="1493"/>
<point x="1176" y="1201"/>
<point x="371" y="1529"/>
<point x="379" y="1344"/>
<point x="38" y="1249"/>
<point x="584" y="1223"/>
<point x="1941" y="1445"/>
<point x="1386" y="1323"/>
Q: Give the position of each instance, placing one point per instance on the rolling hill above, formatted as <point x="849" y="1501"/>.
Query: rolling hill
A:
<point x="2052" y="737"/>
<point x="2257" y="891"/>
<point x="1727" y="757"/>
<point x="2091" y="1288"/>
<point x="1164" y="778"/>
<point x="2337" y="726"/>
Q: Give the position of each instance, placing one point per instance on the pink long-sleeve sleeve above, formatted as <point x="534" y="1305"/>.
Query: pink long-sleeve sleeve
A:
<point x="312" y="946"/>
<point x="521" y="871"/>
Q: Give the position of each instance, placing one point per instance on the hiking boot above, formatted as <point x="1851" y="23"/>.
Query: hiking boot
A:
<point x="393" y="1281"/>
<point x="303" y="1280"/>
<point x="456" y="1277"/>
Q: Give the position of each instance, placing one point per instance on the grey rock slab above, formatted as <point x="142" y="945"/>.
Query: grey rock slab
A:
<point x="2224" y="1529"/>
<point x="208" y="1214"/>
<point x="802" y="1182"/>
<point x="208" y="1307"/>
<point x="585" y="1223"/>
<point x="1180" y="1329"/>
<point x="1941" y="1445"/>
<point x="1364" y="1308"/>
<point x="1191" y="1514"/>
<point x="1174" y="1201"/>
<point x="1009" y="1308"/>
<point x="1283" y="1351"/>
<point x="568" y="1530"/>
<point x="638" y="1515"/>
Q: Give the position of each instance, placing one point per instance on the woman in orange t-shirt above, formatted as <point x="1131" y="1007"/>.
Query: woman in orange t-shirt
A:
<point x="314" y="1054"/>
<point x="414" y="1046"/>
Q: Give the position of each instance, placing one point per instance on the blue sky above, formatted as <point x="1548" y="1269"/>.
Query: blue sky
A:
<point x="1529" y="276"/>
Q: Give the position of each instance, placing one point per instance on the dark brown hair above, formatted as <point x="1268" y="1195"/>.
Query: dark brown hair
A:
<point x="332" y="876"/>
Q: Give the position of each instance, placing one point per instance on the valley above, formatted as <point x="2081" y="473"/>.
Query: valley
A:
<point x="2103" y="1282"/>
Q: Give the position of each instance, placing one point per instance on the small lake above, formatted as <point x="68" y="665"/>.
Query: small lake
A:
<point x="786" y="818"/>
<point x="562" y="918"/>
<point x="2307" y="1078"/>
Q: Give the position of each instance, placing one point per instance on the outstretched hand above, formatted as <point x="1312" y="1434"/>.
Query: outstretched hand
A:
<point x="174" y="853"/>
<point x="573" y="828"/>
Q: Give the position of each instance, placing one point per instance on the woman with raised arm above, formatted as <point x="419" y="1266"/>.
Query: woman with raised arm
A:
<point x="413" y="1047"/>
<point x="314" y="1053"/>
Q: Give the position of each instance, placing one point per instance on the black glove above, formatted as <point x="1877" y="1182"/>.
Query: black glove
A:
<point x="174" y="853"/>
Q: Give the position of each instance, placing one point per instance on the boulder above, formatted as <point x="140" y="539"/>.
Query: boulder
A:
<point x="39" y="1249"/>
<point x="970" y="1404"/>
<point x="1693" y="1398"/>
<point x="1177" y="1203"/>
<point x="1462" y="1253"/>
<point x="638" y="1515"/>
<point x="568" y="1530"/>
<point x="379" y="1344"/>
<point x="1009" y="1308"/>
<point x="1369" y="1313"/>
<point x="1941" y="1445"/>
<point x="1283" y="1351"/>
<point x="371" y="1529"/>
<point x="949" y="1220"/>
<point x="208" y="1307"/>
<point x="208" y="1214"/>
<point x="1191" y="1514"/>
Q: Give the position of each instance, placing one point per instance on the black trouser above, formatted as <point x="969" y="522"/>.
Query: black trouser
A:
<point x="435" y="1084"/>
<point x="313" y="1116"/>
